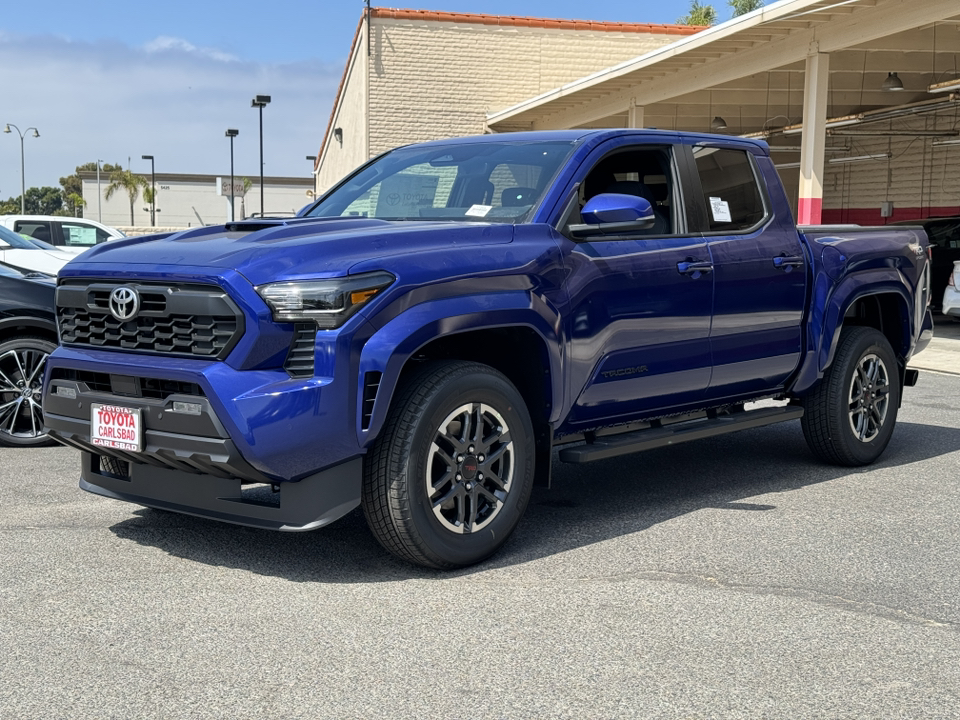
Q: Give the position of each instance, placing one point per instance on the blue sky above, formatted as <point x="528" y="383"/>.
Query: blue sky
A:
<point x="112" y="80"/>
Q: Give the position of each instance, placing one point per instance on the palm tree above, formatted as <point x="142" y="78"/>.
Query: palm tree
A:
<point x="125" y="180"/>
<point x="742" y="7"/>
<point x="699" y="15"/>
<point x="247" y="184"/>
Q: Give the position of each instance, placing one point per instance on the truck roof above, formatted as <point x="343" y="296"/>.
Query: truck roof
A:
<point x="597" y="134"/>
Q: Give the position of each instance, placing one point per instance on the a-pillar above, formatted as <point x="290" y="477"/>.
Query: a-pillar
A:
<point x="813" y="147"/>
<point x="635" y="115"/>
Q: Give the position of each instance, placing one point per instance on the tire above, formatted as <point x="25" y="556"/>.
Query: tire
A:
<point x="22" y="362"/>
<point x="424" y="455"/>
<point x="850" y="415"/>
<point x="114" y="466"/>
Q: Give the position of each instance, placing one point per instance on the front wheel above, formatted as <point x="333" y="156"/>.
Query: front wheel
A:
<point x="451" y="473"/>
<point x="850" y="415"/>
<point x="22" y="362"/>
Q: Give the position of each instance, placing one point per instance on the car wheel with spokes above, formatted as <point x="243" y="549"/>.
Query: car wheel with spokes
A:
<point x="22" y="362"/>
<point x="452" y="471"/>
<point x="850" y="415"/>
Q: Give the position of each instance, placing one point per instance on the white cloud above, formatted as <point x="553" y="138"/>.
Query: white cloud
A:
<point x="165" y="43"/>
<point x="110" y="101"/>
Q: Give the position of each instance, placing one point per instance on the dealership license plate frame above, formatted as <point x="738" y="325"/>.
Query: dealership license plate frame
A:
<point x="98" y="438"/>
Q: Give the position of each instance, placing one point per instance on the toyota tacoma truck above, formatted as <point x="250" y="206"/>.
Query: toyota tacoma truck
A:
<point x="431" y="333"/>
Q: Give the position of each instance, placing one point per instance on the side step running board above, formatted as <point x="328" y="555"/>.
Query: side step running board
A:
<point x="639" y="440"/>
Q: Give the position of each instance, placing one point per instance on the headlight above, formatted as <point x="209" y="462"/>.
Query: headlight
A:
<point x="327" y="302"/>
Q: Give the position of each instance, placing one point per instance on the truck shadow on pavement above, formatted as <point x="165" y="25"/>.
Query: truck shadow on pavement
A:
<point x="587" y="504"/>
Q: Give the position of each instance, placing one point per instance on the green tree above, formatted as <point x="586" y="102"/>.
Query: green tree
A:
<point x="699" y="15"/>
<point x="73" y="185"/>
<point x="742" y="7"/>
<point x="129" y="182"/>
<point x="75" y="203"/>
<point x="39" y="201"/>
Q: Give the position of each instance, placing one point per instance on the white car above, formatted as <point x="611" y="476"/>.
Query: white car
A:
<point x="951" y="296"/>
<point x="71" y="235"/>
<point x="31" y="255"/>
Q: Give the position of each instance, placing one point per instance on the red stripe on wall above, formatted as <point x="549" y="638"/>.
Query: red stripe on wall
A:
<point x="809" y="211"/>
<point x="871" y="216"/>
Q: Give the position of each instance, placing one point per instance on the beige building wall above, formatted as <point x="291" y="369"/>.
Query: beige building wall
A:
<point x="349" y="115"/>
<point x="430" y="80"/>
<point x="191" y="200"/>
<point x="427" y="79"/>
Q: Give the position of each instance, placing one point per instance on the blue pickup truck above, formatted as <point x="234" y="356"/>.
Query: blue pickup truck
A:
<point x="430" y="334"/>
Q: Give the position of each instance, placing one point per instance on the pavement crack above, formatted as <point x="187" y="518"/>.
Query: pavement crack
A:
<point x="863" y="607"/>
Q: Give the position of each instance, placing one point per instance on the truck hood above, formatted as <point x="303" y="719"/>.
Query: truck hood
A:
<point x="273" y="250"/>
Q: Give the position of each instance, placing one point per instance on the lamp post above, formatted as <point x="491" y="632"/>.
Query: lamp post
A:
<point x="231" y="133"/>
<point x="99" y="209"/>
<point x="153" y="192"/>
<point x="23" y="185"/>
<point x="261" y="101"/>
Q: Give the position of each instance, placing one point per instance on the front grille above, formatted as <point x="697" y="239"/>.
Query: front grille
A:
<point x="184" y="320"/>
<point x="126" y="385"/>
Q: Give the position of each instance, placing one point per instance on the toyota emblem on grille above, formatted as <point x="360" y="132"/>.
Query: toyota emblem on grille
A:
<point x="124" y="303"/>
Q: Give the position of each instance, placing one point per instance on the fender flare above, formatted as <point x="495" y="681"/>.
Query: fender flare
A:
<point x="29" y="321"/>
<point x="855" y="287"/>
<point x="390" y="347"/>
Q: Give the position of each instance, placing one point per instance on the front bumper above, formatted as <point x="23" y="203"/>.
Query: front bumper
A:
<point x="308" y="504"/>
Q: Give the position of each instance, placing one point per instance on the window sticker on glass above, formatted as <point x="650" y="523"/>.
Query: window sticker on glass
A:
<point x="720" y="210"/>
<point x="403" y="195"/>
<point x="479" y="210"/>
<point x="78" y="235"/>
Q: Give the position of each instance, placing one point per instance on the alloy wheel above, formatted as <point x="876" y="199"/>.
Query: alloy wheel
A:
<point x="470" y="468"/>
<point x="869" y="397"/>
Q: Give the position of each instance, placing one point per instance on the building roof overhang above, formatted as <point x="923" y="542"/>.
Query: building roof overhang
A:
<point x="778" y="36"/>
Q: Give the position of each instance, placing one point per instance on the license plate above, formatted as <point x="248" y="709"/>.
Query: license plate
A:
<point x="116" y="427"/>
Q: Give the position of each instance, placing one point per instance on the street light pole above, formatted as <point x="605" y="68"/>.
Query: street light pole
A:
<point x="232" y="133"/>
<point x="153" y="192"/>
<point x="99" y="207"/>
<point x="23" y="184"/>
<point x="261" y="101"/>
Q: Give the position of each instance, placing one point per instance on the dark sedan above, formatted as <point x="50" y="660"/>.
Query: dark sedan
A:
<point x="28" y="334"/>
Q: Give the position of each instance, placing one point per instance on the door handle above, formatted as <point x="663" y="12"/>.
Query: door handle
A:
<point x="694" y="268"/>
<point x="785" y="262"/>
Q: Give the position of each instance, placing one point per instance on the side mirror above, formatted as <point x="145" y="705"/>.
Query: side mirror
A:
<point x="614" y="214"/>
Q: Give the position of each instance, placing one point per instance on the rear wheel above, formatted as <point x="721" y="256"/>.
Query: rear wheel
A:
<point x="22" y="362"/>
<point x="849" y="417"/>
<point x="451" y="474"/>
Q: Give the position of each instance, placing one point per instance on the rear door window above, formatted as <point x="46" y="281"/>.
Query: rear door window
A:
<point x="77" y="235"/>
<point x="37" y="229"/>
<point x="731" y="190"/>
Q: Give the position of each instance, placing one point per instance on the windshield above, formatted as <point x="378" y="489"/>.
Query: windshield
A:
<point x="11" y="239"/>
<point x="481" y="181"/>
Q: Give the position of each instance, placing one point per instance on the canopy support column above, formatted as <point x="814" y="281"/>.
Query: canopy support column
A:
<point x="813" y="145"/>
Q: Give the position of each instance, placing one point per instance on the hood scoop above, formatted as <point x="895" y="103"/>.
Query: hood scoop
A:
<point x="253" y="225"/>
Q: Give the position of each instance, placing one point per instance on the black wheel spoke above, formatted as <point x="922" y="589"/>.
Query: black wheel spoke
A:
<point x="467" y="468"/>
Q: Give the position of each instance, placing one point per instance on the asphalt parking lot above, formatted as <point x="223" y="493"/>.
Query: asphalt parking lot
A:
<point x="735" y="577"/>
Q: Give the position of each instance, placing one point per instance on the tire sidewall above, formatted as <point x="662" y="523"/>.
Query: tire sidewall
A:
<point x="30" y="343"/>
<point x="436" y="540"/>
<point x="868" y="343"/>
